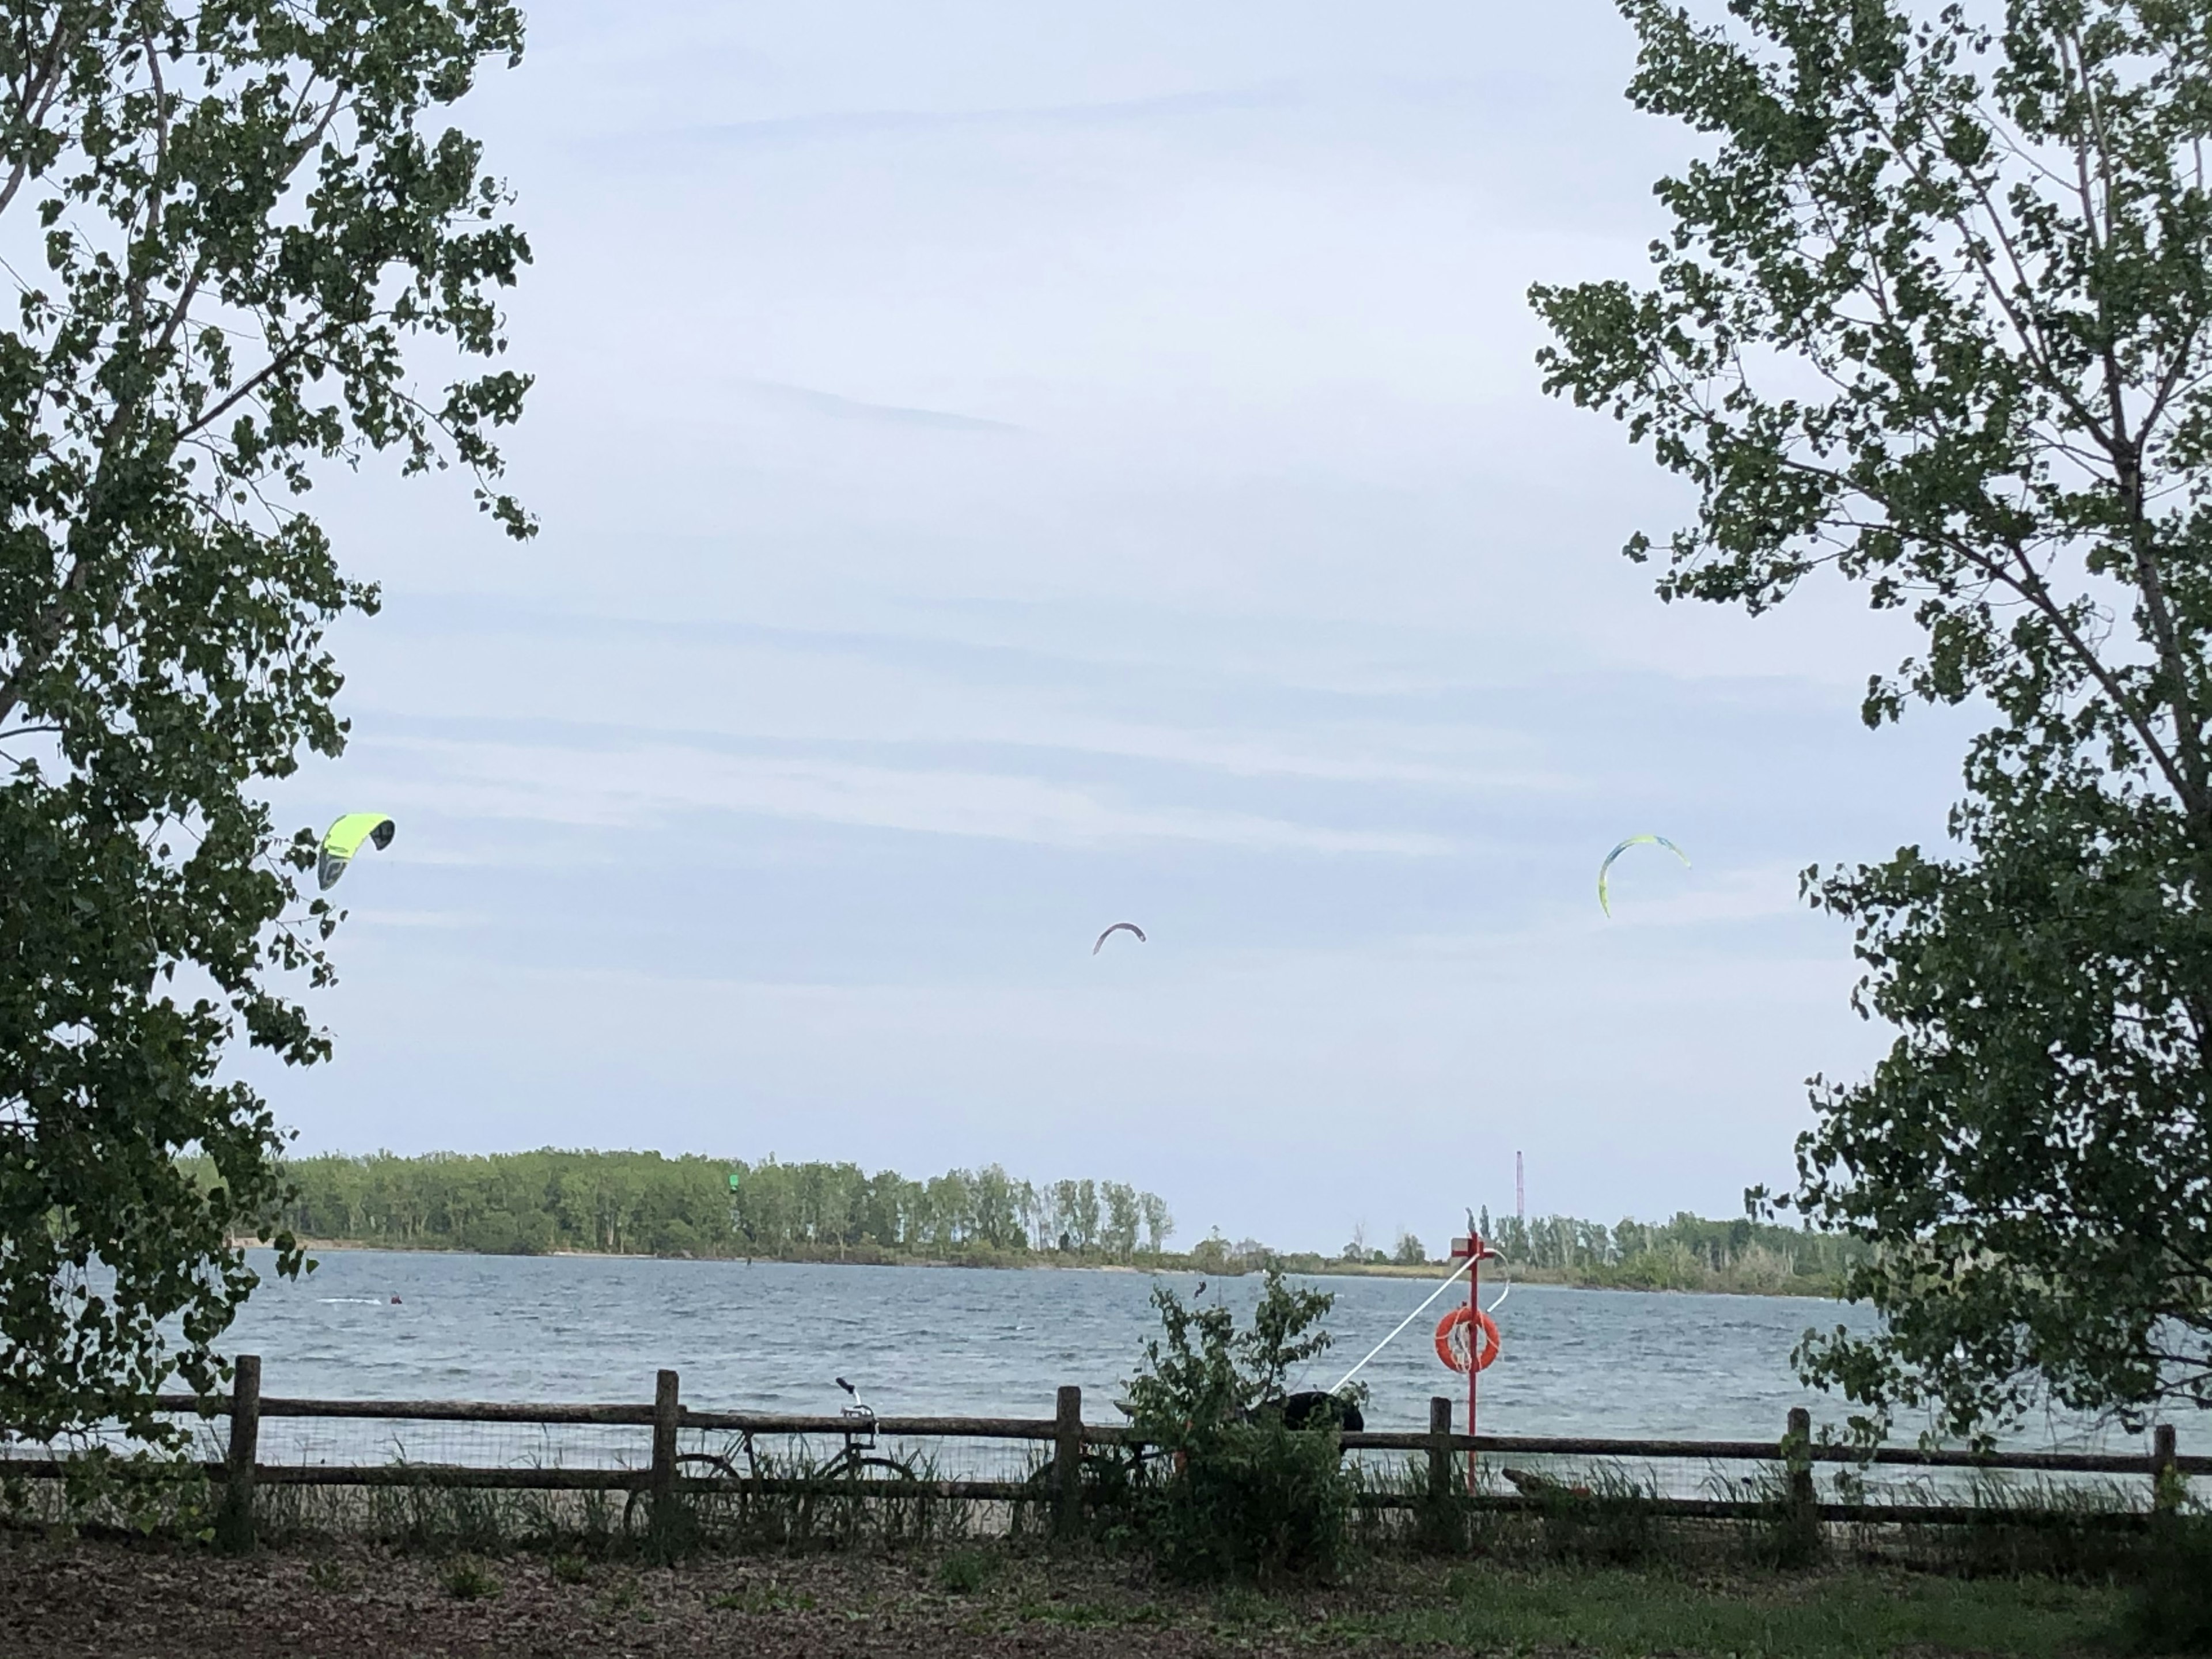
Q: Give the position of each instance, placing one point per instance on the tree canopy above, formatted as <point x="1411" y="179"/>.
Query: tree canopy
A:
<point x="642" y="1203"/>
<point x="1932" y="319"/>
<point x="224" y="224"/>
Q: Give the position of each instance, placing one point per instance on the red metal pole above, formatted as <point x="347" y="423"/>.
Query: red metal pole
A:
<point x="1473" y="1340"/>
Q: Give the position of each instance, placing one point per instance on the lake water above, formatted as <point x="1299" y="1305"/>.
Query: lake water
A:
<point x="772" y="1336"/>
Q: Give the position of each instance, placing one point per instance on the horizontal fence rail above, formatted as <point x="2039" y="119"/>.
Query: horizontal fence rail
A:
<point x="1057" y="1482"/>
<point x="1044" y="1428"/>
<point x="1769" y="1451"/>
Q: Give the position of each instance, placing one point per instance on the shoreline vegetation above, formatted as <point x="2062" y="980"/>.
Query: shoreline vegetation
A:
<point x="554" y="1202"/>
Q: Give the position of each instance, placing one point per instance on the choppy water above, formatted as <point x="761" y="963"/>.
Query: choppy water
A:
<point x="771" y="1336"/>
<point x="925" y="1340"/>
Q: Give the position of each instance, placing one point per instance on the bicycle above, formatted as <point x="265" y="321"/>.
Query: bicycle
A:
<point x="857" y="1460"/>
<point x="1109" y="1474"/>
<point x="859" y="1455"/>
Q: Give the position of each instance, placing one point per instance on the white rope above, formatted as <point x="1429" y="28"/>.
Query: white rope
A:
<point x="1443" y="1285"/>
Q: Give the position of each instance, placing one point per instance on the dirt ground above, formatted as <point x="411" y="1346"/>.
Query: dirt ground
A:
<point x="74" y="1600"/>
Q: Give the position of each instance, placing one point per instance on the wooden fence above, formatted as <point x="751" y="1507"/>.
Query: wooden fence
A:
<point x="1066" y="1433"/>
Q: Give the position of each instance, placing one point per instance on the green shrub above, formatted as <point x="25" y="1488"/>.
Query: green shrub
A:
<point x="2171" y="1609"/>
<point x="465" y="1580"/>
<point x="329" y="1577"/>
<point x="1256" y="1501"/>
<point x="1237" y="1494"/>
<point x="964" y="1571"/>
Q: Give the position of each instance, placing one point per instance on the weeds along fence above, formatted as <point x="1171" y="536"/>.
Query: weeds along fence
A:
<point x="659" y="1453"/>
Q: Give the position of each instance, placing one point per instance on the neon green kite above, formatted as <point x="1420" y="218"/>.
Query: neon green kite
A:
<point x="344" y="838"/>
<point x="1605" y="904"/>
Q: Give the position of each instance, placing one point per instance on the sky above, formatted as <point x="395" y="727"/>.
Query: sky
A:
<point x="1006" y="470"/>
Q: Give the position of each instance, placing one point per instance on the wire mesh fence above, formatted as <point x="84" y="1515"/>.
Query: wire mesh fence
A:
<point x="594" y="1464"/>
<point x="1504" y="1473"/>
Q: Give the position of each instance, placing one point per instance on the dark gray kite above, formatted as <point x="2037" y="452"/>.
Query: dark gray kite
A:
<point x="1115" y="929"/>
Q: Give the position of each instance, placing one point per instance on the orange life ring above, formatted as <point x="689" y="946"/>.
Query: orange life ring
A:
<point x="1452" y="1344"/>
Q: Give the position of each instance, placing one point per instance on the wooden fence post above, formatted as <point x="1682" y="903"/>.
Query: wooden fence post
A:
<point x="2165" y="1472"/>
<point x="234" y="1525"/>
<point x="667" y="1409"/>
<point x="1067" y="1462"/>
<point x="664" y="1536"/>
<point x="1797" y="1459"/>
<point x="1440" y="1480"/>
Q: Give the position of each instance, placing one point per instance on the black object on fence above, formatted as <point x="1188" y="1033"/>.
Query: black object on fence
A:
<point x="1067" y="1434"/>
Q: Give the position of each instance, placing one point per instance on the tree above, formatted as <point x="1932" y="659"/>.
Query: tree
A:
<point x="1411" y="1251"/>
<point x="998" y="1222"/>
<point x="951" y="1204"/>
<point x="1031" y="1206"/>
<point x="1086" y="1215"/>
<point x="1066" y="1201"/>
<point x="229" y="221"/>
<point x="1123" y="1217"/>
<point x="1159" y="1224"/>
<point x="1933" y="319"/>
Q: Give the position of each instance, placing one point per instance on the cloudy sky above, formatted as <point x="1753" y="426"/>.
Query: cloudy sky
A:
<point x="1008" y="469"/>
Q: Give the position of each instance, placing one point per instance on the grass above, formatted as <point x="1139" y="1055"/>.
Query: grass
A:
<point x="1838" y="1615"/>
<point x="964" y="1571"/>
<point x="1597" y="1612"/>
<point x="771" y="1597"/>
<point x="467" y="1580"/>
<point x="619" y="1597"/>
<point x="1704" y="1604"/>
<point x="1628" y="1612"/>
<point x="438" y="1520"/>
<point x="1593" y="1569"/>
<point x="329" y="1577"/>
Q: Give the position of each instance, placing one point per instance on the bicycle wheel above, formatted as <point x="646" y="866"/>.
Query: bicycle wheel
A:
<point x="637" y="1513"/>
<point x="878" y="1468"/>
<point x="713" y="1464"/>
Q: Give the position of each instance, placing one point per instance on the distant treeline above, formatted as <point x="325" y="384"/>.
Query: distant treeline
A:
<point x="644" y="1204"/>
<point x="641" y="1203"/>
<point x="1686" y="1254"/>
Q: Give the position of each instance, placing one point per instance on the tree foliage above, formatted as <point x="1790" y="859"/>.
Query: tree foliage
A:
<point x="1932" y="318"/>
<point x="1687" y="1253"/>
<point x="1202" y="1372"/>
<point x="224" y="225"/>
<point x="642" y="1203"/>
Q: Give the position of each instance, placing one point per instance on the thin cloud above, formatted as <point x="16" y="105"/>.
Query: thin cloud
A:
<point x="871" y="123"/>
<point x="852" y="409"/>
<point x="610" y="788"/>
